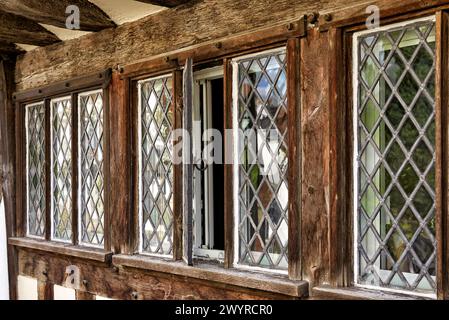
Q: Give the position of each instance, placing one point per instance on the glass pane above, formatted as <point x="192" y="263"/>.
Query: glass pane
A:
<point x="263" y="156"/>
<point x="61" y="182"/>
<point x="156" y="168"/>
<point x="91" y="155"/>
<point x="36" y="206"/>
<point x="396" y="194"/>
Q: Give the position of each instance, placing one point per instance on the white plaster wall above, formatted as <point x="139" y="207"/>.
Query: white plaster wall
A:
<point x="62" y="293"/>
<point x="26" y="288"/>
<point x="102" y="298"/>
<point x="4" y="285"/>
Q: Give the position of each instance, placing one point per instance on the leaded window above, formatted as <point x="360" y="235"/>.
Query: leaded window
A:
<point x="35" y="163"/>
<point x="395" y="157"/>
<point x="65" y="165"/>
<point x="91" y="162"/>
<point x="155" y="165"/>
<point x="260" y="118"/>
<point x="61" y="168"/>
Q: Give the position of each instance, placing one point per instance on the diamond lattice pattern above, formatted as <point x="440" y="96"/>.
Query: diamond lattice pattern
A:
<point x="35" y="122"/>
<point x="91" y="168"/>
<point x="263" y="162"/>
<point x="156" y="173"/>
<point x="62" y="169"/>
<point x="396" y="158"/>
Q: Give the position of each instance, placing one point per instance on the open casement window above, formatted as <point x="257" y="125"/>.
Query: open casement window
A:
<point x="208" y="170"/>
<point x="261" y="160"/>
<point x="64" y="162"/>
<point x="200" y="191"/>
<point x="395" y="157"/>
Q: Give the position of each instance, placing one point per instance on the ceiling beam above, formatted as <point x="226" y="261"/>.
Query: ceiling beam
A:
<point x="7" y="48"/>
<point x="16" y="29"/>
<point x="53" y="12"/>
<point x="165" y="3"/>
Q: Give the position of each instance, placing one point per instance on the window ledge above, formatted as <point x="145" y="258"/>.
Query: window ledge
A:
<point x="62" y="248"/>
<point x="355" y="293"/>
<point x="258" y="281"/>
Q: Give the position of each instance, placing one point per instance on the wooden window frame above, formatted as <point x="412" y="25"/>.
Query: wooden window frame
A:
<point x="72" y="88"/>
<point x="212" y="54"/>
<point x="341" y="28"/>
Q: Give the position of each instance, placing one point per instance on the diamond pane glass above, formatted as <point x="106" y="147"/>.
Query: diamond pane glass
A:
<point x="35" y="134"/>
<point x="156" y="168"/>
<point x="396" y="157"/>
<point x="91" y="126"/>
<point x="61" y="168"/>
<point x="263" y="156"/>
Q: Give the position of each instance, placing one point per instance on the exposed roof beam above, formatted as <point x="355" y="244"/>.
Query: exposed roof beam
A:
<point x="53" y="12"/>
<point x="165" y="3"/>
<point x="16" y="29"/>
<point x="7" y="48"/>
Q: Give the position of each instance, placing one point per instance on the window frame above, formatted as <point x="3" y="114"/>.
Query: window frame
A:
<point x="201" y="78"/>
<point x="52" y="175"/>
<point x="355" y="163"/>
<point x="207" y="56"/>
<point x="139" y="166"/>
<point x="71" y="88"/>
<point x="341" y="32"/>
<point x="236" y="166"/>
<point x="27" y="227"/>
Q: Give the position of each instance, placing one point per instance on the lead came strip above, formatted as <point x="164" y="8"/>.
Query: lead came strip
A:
<point x="396" y="243"/>
<point x="262" y="184"/>
<point x="156" y="167"/>
<point x="91" y="126"/>
<point x="35" y="137"/>
<point x="61" y="118"/>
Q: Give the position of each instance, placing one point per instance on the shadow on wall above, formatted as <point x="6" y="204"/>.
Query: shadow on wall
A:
<point x="4" y="286"/>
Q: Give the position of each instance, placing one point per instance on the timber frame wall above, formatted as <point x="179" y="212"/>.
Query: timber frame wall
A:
<point x="318" y="36"/>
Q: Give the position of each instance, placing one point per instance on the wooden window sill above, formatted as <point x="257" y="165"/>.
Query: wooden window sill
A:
<point x="62" y="249"/>
<point x="355" y="293"/>
<point x="215" y="273"/>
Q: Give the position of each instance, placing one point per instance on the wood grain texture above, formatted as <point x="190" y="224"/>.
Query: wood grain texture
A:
<point x="177" y="106"/>
<point x="294" y="158"/>
<point x="83" y="295"/>
<point x="336" y="156"/>
<point x="214" y="273"/>
<point x="53" y="12"/>
<point x="331" y="293"/>
<point x="213" y="51"/>
<point x="7" y="163"/>
<point x="130" y="283"/>
<point x="165" y="3"/>
<point x="315" y="162"/>
<point x="120" y="165"/>
<point x="229" y="222"/>
<point x="441" y="153"/>
<point x="356" y="12"/>
<point x="92" y="254"/>
<point x="44" y="290"/>
<point x="7" y="49"/>
<point x="18" y="29"/>
<point x="188" y="24"/>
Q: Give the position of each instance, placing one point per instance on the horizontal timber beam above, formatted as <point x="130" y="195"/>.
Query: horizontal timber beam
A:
<point x="127" y="283"/>
<point x="17" y="29"/>
<point x="165" y="3"/>
<point x="53" y="12"/>
<point x="7" y="48"/>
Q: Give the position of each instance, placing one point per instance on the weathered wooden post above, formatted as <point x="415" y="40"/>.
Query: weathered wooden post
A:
<point x="7" y="160"/>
